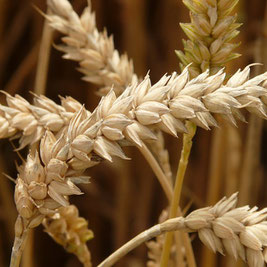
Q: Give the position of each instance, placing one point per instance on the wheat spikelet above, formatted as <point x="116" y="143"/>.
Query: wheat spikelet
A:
<point x="41" y="190"/>
<point x="70" y="231"/>
<point x="238" y="232"/>
<point x="210" y="32"/>
<point x="21" y="119"/>
<point x="64" y="225"/>
<point x="99" y="61"/>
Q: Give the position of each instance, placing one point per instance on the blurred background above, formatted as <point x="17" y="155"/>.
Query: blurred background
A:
<point x="124" y="198"/>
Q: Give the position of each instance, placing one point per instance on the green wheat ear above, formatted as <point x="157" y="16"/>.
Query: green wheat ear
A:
<point x="210" y="33"/>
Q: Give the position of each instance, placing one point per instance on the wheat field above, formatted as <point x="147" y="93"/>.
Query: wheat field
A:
<point x="131" y="140"/>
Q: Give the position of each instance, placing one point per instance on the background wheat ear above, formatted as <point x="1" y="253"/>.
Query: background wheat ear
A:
<point x="71" y="232"/>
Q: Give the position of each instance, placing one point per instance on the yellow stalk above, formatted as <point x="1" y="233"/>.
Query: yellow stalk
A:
<point x="43" y="60"/>
<point x="187" y="144"/>
<point x="158" y="171"/>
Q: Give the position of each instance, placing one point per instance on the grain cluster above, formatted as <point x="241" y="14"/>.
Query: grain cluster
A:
<point x="163" y="106"/>
<point x="99" y="61"/>
<point x="129" y="119"/>
<point x="210" y="32"/>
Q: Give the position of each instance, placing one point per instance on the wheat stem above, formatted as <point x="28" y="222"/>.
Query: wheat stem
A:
<point x="189" y="253"/>
<point x="17" y="249"/>
<point x="187" y="144"/>
<point x="43" y="59"/>
<point x="141" y="238"/>
<point x="163" y="180"/>
<point x="28" y="251"/>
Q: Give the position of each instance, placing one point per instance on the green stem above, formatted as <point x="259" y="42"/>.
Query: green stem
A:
<point x="187" y="144"/>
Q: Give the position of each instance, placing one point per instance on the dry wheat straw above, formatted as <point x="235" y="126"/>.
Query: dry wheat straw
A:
<point x="99" y="61"/>
<point x="238" y="232"/>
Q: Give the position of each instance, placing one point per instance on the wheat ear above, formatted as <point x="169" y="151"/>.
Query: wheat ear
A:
<point x="238" y="232"/>
<point x="210" y="33"/>
<point x="165" y="105"/>
<point x="99" y="61"/>
<point x="29" y="122"/>
<point x="44" y="181"/>
<point x="142" y="107"/>
<point x="90" y="138"/>
<point x="71" y="231"/>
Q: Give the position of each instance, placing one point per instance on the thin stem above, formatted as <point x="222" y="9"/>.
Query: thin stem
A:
<point x="187" y="144"/>
<point x="169" y="225"/>
<point x="157" y="170"/>
<point x="43" y="60"/>
<point x="190" y="257"/>
<point x="167" y="188"/>
<point x="18" y="246"/>
<point x="179" y="252"/>
<point x="22" y="71"/>
<point x="214" y="182"/>
<point x="28" y="252"/>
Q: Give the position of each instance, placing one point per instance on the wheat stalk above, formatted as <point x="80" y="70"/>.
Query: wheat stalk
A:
<point x="238" y="232"/>
<point x="155" y="248"/>
<point x="209" y="47"/>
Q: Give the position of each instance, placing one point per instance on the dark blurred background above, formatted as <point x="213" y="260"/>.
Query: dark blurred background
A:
<point x="124" y="198"/>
